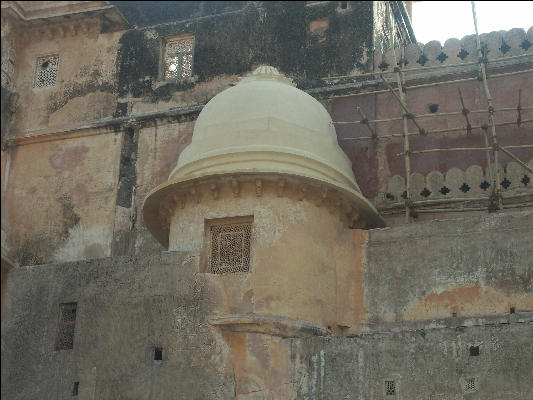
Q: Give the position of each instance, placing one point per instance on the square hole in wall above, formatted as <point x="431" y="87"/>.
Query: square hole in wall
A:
<point x="65" y="329"/>
<point x="179" y="57"/>
<point x="46" y="68"/>
<point x="474" y="351"/>
<point x="228" y="244"/>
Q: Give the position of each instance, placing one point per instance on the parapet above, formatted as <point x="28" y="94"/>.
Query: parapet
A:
<point x="497" y="44"/>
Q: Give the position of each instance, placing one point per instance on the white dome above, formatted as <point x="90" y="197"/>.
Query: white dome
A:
<point x="263" y="126"/>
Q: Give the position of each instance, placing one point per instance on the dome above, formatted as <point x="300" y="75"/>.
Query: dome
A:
<point x="265" y="125"/>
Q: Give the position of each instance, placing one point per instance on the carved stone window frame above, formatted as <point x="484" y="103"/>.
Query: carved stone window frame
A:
<point x="209" y="264"/>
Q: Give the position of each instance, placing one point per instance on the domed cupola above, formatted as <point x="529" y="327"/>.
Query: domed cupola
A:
<point x="262" y="130"/>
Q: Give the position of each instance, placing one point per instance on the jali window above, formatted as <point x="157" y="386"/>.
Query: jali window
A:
<point x="46" y="71"/>
<point x="67" y="323"/>
<point x="178" y="57"/>
<point x="229" y="245"/>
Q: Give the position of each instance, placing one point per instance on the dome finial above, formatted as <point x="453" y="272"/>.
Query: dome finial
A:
<point x="267" y="73"/>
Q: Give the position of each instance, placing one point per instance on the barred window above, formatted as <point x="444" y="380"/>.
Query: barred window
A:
<point x="178" y="57"/>
<point x="229" y="245"/>
<point x="46" y="71"/>
<point x="67" y="322"/>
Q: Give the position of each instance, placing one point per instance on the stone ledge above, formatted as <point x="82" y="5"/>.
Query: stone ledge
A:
<point x="267" y="324"/>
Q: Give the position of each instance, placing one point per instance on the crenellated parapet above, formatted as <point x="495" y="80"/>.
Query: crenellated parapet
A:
<point x="473" y="183"/>
<point x="495" y="45"/>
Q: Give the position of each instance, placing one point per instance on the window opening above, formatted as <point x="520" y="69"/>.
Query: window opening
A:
<point x="75" y="388"/>
<point x="470" y="384"/>
<point x="474" y="350"/>
<point x="67" y="323"/>
<point x="178" y="57"/>
<point x="158" y="354"/>
<point x="390" y="388"/>
<point x="46" y="71"/>
<point x="229" y="244"/>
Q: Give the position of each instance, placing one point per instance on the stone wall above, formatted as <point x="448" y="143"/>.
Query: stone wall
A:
<point x="438" y="269"/>
<point x="125" y="309"/>
<point x="432" y="363"/>
<point x="416" y="277"/>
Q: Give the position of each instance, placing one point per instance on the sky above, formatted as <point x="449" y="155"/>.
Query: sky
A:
<point x="441" y="20"/>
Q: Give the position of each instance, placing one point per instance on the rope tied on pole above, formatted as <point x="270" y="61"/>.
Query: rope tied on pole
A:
<point x="465" y="111"/>
<point x="364" y="120"/>
<point x="519" y="109"/>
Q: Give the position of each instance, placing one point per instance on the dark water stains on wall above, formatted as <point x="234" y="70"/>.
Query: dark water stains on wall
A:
<point x="273" y="33"/>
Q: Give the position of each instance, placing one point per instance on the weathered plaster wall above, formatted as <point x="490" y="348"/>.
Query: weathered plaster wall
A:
<point x="159" y="149"/>
<point x="430" y="363"/>
<point x="61" y="199"/>
<point x="104" y="75"/>
<point x="233" y="43"/>
<point x="467" y="266"/>
<point x="128" y="306"/>
<point x="86" y="80"/>
<point x="303" y="263"/>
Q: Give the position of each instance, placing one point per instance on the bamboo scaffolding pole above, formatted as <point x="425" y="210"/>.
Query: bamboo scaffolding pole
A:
<point x="436" y="210"/>
<point x="450" y="200"/>
<point x="434" y="83"/>
<point x="481" y="58"/>
<point x="466" y="209"/>
<point x="465" y="111"/>
<point x="522" y="146"/>
<point x="402" y="100"/>
<point x="504" y="149"/>
<point x="365" y="121"/>
<point x="407" y="70"/>
<point x="519" y="108"/>
<point x="446" y="114"/>
<point x="431" y="132"/>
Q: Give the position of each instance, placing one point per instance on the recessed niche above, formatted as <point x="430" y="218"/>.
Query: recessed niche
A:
<point x="158" y="354"/>
<point x="474" y="351"/>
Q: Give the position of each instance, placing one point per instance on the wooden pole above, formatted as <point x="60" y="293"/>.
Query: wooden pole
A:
<point x="490" y="108"/>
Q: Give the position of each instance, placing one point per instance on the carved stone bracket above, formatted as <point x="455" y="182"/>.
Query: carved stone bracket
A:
<point x="219" y="188"/>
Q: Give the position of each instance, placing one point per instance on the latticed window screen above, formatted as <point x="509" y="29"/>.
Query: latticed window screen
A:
<point x="470" y="384"/>
<point x="230" y="247"/>
<point x="46" y="71"/>
<point x="67" y="323"/>
<point x="390" y="388"/>
<point x="178" y="57"/>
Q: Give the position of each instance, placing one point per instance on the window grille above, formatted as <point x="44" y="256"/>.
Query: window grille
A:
<point x="46" y="71"/>
<point x="230" y="246"/>
<point x="470" y="384"/>
<point x="67" y="322"/>
<point x="390" y="388"/>
<point x="178" y="57"/>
